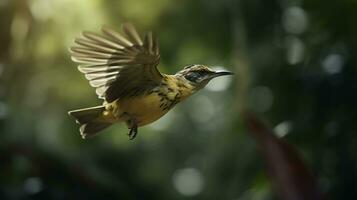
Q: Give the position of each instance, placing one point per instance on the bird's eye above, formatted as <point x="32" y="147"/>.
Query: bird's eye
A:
<point x="192" y="76"/>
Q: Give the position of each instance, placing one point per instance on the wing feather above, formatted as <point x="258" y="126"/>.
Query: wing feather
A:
<point x="96" y="76"/>
<point x="90" y="70"/>
<point x="149" y="42"/>
<point x="100" y="82"/>
<point x="93" y="46"/>
<point x="101" y="40"/>
<point x="116" y="37"/>
<point x="77" y="51"/>
<point x="133" y="36"/>
<point x="118" y="65"/>
<point x="86" y="60"/>
<point x="100" y="90"/>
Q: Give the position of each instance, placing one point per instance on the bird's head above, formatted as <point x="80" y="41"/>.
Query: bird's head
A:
<point x="199" y="75"/>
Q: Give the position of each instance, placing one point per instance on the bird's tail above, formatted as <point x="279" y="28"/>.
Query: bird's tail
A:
<point x="88" y="119"/>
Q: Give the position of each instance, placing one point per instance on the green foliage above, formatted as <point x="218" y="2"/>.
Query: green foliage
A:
<point x="294" y="64"/>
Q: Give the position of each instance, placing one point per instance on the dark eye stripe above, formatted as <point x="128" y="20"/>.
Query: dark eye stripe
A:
<point x="192" y="76"/>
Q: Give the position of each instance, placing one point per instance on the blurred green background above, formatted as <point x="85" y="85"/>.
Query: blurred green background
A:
<point x="295" y="66"/>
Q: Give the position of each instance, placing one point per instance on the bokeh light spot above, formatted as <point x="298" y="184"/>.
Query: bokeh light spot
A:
<point x="283" y="128"/>
<point x="295" y="50"/>
<point x="333" y="63"/>
<point x="33" y="185"/>
<point x="295" y="20"/>
<point x="41" y="9"/>
<point x="188" y="181"/>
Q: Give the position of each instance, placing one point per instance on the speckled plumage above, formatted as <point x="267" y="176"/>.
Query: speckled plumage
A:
<point x="123" y="69"/>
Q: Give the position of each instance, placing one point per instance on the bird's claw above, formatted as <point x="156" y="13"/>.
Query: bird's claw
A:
<point x="133" y="132"/>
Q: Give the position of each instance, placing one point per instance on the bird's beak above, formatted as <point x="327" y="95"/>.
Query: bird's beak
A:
<point x="221" y="73"/>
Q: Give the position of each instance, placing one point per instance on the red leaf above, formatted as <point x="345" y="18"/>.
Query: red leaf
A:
<point x="290" y="177"/>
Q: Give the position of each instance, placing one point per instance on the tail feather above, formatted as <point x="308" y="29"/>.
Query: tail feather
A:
<point x="91" y="129"/>
<point x="87" y="118"/>
<point x="87" y="114"/>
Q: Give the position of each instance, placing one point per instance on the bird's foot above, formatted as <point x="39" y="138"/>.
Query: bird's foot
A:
<point x="133" y="132"/>
<point x="132" y="125"/>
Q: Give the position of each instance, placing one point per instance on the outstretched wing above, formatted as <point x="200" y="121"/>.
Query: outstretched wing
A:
<point x="118" y="66"/>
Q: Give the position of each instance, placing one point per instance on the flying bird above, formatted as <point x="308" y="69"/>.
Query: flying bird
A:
<point x="123" y="70"/>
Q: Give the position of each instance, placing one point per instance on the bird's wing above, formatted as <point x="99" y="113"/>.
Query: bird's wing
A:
<point x="118" y="66"/>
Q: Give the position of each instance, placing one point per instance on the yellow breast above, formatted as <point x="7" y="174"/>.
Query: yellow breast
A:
<point x="152" y="105"/>
<point x="144" y="109"/>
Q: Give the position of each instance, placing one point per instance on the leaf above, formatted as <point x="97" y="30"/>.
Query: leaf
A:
<point x="290" y="177"/>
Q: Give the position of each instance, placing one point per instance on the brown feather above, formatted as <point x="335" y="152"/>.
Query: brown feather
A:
<point x="118" y="65"/>
<point x="116" y="37"/>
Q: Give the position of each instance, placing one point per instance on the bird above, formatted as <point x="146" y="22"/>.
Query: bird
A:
<point x="122" y="67"/>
